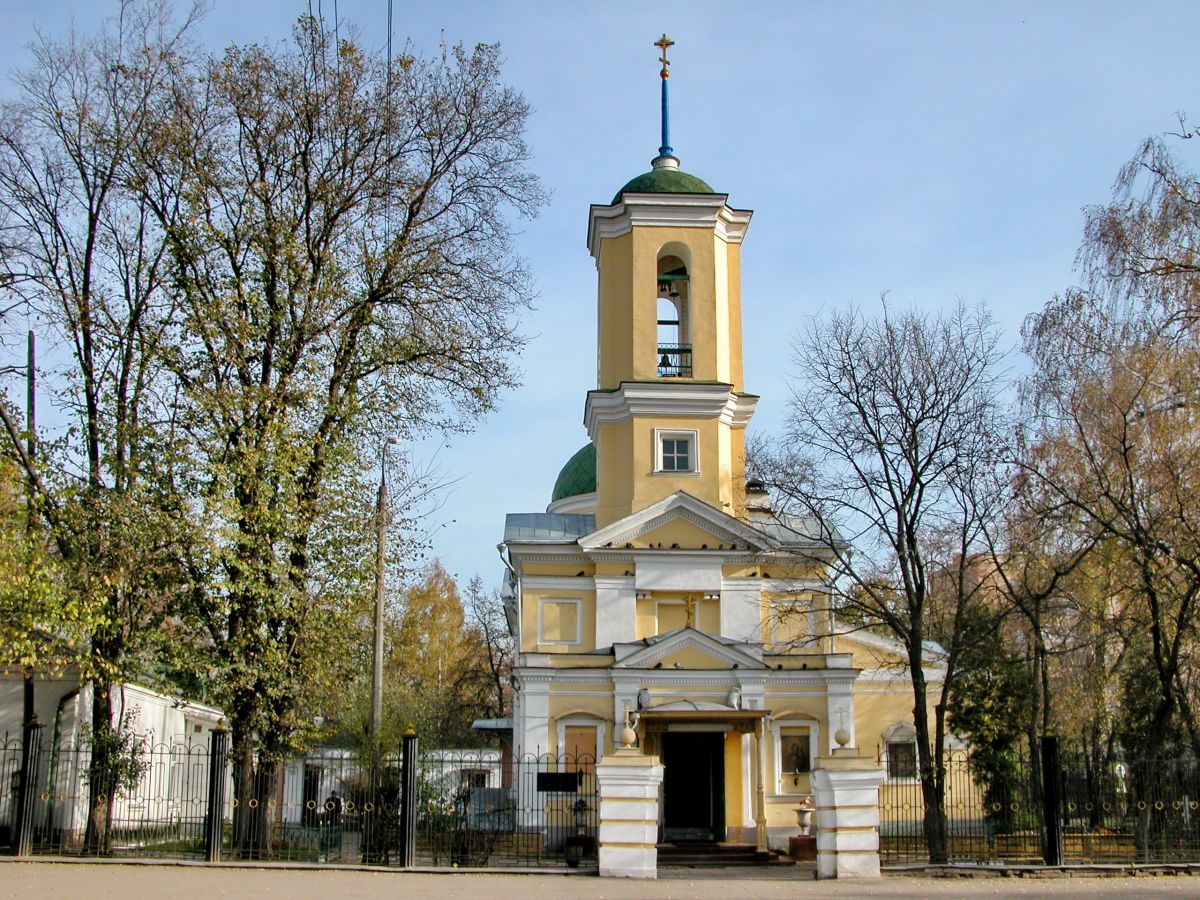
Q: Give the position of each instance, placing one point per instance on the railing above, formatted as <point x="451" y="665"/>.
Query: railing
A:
<point x="1113" y="811"/>
<point x="10" y="774"/>
<point x="535" y="811"/>
<point x="1130" y="811"/>
<point x="989" y="813"/>
<point x="674" y="360"/>
<point x="473" y="808"/>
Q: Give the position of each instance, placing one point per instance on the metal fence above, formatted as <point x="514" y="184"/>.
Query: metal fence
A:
<point x="10" y="774"/>
<point x="1104" y="811"/>
<point x="991" y="814"/>
<point x="1130" y="811"/>
<point x="470" y="808"/>
<point x="475" y="810"/>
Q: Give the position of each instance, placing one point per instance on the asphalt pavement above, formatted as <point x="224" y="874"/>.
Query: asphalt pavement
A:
<point x="24" y="880"/>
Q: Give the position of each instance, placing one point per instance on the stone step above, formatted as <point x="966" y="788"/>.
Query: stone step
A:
<point x="709" y="855"/>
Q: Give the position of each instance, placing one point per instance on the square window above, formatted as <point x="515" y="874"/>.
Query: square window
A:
<point x="675" y="451"/>
<point x="559" y="622"/>
<point x="677" y="455"/>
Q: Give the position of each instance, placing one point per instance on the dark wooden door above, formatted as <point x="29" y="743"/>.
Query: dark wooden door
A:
<point x="693" y="786"/>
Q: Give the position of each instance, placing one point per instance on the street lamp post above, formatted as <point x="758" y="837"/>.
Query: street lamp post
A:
<point x="381" y="523"/>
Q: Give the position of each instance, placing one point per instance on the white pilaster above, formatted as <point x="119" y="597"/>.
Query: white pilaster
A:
<point x="532" y="729"/>
<point x="839" y="710"/>
<point x="847" y="794"/>
<point x="628" y="784"/>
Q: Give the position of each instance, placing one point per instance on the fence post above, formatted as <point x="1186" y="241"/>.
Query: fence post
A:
<point x="214" y="814"/>
<point x="31" y="742"/>
<point x="1052" y="801"/>
<point x="408" y="800"/>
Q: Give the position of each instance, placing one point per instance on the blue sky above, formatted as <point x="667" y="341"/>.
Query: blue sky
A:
<point x="934" y="151"/>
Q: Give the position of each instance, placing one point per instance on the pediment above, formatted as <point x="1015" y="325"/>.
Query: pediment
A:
<point x="682" y="520"/>
<point x="691" y="649"/>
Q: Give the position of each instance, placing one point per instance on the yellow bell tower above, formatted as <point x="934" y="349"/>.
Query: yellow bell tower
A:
<point x="669" y="411"/>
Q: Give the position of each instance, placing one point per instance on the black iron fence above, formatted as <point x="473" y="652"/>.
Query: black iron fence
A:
<point x="475" y="809"/>
<point x="990" y="813"/>
<point x="1130" y="811"/>
<point x="1078" y="810"/>
<point x="461" y="808"/>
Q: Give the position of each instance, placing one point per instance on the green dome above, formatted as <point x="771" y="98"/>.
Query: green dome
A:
<point x="664" y="181"/>
<point x="578" y="476"/>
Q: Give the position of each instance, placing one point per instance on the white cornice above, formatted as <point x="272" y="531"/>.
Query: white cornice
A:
<point x="579" y="503"/>
<point x="638" y="398"/>
<point x="675" y="506"/>
<point x="671" y="210"/>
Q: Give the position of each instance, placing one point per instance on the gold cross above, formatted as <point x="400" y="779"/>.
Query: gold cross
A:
<point x="664" y="42"/>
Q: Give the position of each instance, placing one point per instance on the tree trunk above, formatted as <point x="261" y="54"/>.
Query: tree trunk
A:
<point x="253" y="787"/>
<point x="932" y="787"/>
<point x="101" y="784"/>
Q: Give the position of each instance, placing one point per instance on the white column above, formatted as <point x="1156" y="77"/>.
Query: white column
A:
<point x="760" y="805"/>
<point x="847" y="796"/>
<point x="628" y="784"/>
<point x="616" y="611"/>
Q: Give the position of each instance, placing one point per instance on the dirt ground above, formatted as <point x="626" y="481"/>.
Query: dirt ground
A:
<point x="183" y="882"/>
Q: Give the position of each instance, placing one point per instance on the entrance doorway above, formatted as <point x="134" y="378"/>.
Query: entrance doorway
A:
<point x="693" y="786"/>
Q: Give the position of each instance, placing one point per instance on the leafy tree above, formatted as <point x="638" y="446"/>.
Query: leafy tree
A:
<point x="485" y="611"/>
<point x="82" y="252"/>
<point x="1112" y="409"/>
<point x="339" y="246"/>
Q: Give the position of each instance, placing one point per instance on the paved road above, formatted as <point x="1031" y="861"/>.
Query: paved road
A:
<point x="134" y="882"/>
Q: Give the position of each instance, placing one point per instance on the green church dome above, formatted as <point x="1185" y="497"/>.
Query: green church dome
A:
<point x="578" y="476"/>
<point x="664" y="181"/>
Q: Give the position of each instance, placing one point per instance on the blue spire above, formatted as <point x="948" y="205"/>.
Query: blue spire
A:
<point x="666" y="155"/>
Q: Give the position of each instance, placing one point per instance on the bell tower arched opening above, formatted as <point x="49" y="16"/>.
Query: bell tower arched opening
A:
<point x="673" y="350"/>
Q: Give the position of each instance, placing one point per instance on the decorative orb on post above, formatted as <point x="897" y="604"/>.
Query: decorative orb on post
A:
<point x="842" y="737"/>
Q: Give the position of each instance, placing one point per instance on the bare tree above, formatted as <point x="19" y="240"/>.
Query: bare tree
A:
<point x="485" y="613"/>
<point x="895" y="437"/>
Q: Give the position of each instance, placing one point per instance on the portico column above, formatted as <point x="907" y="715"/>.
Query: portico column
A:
<point x="760" y="804"/>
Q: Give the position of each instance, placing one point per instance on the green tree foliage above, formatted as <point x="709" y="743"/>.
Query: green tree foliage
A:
<point x="81" y="251"/>
<point x="340" y="250"/>
<point x="259" y="263"/>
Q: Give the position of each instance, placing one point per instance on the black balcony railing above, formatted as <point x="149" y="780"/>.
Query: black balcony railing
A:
<point x="674" y="360"/>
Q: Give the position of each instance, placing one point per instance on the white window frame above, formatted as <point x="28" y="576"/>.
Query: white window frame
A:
<point x="542" y="639"/>
<point x="676" y="434"/>
<point x="814" y="744"/>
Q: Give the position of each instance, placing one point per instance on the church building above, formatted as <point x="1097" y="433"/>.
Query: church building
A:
<point x="658" y="582"/>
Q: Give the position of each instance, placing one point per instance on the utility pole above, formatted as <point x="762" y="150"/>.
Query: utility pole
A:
<point x="31" y="453"/>
<point x="380" y="563"/>
<point x="381" y="523"/>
